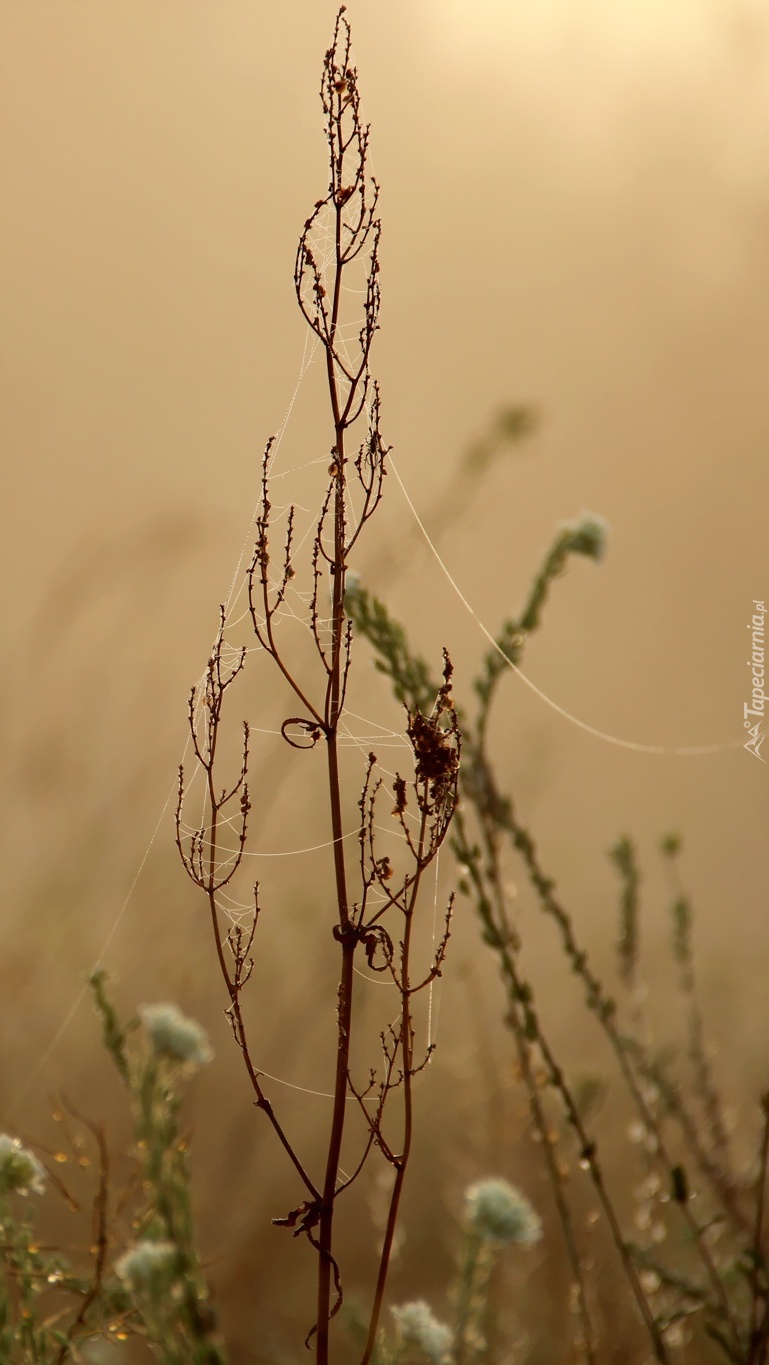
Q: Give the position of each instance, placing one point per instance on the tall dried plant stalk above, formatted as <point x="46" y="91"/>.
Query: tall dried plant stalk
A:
<point x="375" y="894"/>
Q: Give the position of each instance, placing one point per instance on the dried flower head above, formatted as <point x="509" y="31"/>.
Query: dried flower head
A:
<point x="174" y="1036"/>
<point x="498" y="1212"/>
<point x="418" y="1326"/>
<point x="20" y="1171"/>
<point x="149" y="1266"/>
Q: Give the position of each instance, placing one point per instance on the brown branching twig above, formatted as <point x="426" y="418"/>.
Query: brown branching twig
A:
<point x="99" y="1238"/>
<point x="375" y="917"/>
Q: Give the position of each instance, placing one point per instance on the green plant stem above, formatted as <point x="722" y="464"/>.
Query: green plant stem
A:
<point x="604" y="1010"/>
<point x="507" y="940"/>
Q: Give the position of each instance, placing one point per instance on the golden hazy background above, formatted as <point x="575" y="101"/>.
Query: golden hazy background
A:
<point x="575" y="209"/>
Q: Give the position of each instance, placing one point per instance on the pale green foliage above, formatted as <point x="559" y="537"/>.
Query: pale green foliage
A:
<point x="49" y="1314"/>
<point x="161" y="1272"/>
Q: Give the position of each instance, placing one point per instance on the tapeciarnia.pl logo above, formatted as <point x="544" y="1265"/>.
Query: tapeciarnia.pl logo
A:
<point x="755" y="707"/>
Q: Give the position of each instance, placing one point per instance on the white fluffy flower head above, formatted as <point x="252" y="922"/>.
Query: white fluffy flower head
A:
<point x="174" y="1036"/>
<point x="418" y="1326"/>
<point x="20" y="1171"/>
<point x="498" y="1212"/>
<point x="149" y="1266"/>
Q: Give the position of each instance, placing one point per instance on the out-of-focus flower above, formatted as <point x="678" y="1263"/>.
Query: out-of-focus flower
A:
<point x="418" y="1326"/>
<point x="587" y="535"/>
<point x="174" y="1036"/>
<point x="20" y="1171"/>
<point x="498" y="1212"/>
<point x="149" y="1266"/>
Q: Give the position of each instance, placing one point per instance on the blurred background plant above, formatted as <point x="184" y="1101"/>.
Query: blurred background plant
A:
<point x="142" y="1277"/>
<point x="713" y="1283"/>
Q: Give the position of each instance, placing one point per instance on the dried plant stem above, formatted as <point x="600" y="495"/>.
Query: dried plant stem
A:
<point x="341" y="230"/>
<point x="341" y="412"/>
<point x="405" y="1042"/>
<point x="342" y="1070"/>
<point x="99" y="1235"/>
